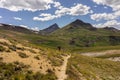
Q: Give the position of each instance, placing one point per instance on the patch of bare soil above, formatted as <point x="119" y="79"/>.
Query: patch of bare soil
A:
<point x="61" y="71"/>
<point x="36" y="61"/>
<point x="95" y="54"/>
<point x="108" y="52"/>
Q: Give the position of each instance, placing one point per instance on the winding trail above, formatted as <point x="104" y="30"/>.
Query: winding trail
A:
<point x="61" y="75"/>
<point x="102" y="53"/>
<point x="107" y="52"/>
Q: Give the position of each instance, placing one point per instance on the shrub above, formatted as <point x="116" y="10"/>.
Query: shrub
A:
<point x="32" y="51"/>
<point x="20" y="48"/>
<point x="49" y="71"/>
<point x="37" y="57"/>
<point x="23" y="55"/>
<point x="2" y="49"/>
<point x="13" y="47"/>
<point x="1" y="58"/>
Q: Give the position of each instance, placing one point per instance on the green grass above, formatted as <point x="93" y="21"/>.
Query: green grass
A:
<point x="109" y="56"/>
<point x="101" y="42"/>
<point x="55" y="57"/>
<point x="92" y="68"/>
<point x="2" y="48"/>
<point x="96" y="49"/>
<point x="16" y="72"/>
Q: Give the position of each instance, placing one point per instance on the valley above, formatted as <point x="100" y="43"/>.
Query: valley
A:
<point x="78" y="51"/>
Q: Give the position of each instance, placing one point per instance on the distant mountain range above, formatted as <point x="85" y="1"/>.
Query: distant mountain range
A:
<point x="82" y="34"/>
<point x="76" y="34"/>
<point x="73" y="25"/>
<point x="15" y="28"/>
<point x="54" y="53"/>
<point x="83" y="28"/>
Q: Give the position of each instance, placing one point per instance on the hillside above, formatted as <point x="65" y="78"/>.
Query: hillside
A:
<point x="22" y="62"/>
<point x="15" y="28"/>
<point x="37" y="57"/>
<point x="75" y="36"/>
<point x="19" y="61"/>
<point x="81" y="34"/>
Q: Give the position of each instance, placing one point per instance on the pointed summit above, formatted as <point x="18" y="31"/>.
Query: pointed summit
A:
<point x="78" y="21"/>
<point x="80" y="24"/>
<point x="54" y="26"/>
<point x="50" y="29"/>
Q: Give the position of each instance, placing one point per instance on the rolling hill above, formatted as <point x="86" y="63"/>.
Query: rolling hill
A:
<point x="33" y="56"/>
<point x="81" y="34"/>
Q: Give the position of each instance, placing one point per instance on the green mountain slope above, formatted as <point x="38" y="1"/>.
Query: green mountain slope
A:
<point x="87" y="68"/>
<point x="80" y="34"/>
<point x="76" y="36"/>
<point x="36" y="48"/>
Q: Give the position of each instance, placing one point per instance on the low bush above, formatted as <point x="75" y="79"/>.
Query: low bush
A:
<point x="12" y="47"/>
<point x="37" y="57"/>
<point x="1" y="58"/>
<point x="23" y="55"/>
<point x="2" y="48"/>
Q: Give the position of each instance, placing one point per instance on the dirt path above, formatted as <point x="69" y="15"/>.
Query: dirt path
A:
<point x="61" y="74"/>
<point x="95" y="54"/>
<point x="108" y="52"/>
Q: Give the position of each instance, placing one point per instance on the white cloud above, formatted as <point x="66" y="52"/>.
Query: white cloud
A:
<point x="76" y="10"/>
<point x="111" y="23"/>
<point x="30" y="5"/>
<point x="105" y="16"/>
<point x="35" y="28"/>
<point x="57" y="4"/>
<point x="102" y="16"/>
<point x="105" y="7"/>
<point x="114" y="4"/>
<point x="1" y="17"/>
<point x="111" y="18"/>
<point x="45" y="17"/>
<point x="117" y="13"/>
<point x="24" y="26"/>
<point x="17" y="18"/>
<point x="95" y="6"/>
<point x="79" y="9"/>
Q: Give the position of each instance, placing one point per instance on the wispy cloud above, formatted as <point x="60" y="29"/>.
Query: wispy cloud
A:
<point x="114" y="4"/>
<point x="24" y="26"/>
<point x="35" y="28"/>
<point x="17" y="18"/>
<point x="111" y="23"/>
<point x="29" y="5"/>
<point x="1" y="17"/>
<point x="77" y="10"/>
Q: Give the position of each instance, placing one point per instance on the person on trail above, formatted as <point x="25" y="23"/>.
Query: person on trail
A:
<point x="59" y="48"/>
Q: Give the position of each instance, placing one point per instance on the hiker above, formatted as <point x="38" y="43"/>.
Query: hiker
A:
<point x="59" y="48"/>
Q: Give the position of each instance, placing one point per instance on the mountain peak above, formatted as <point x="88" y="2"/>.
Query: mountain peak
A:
<point x="50" y="29"/>
<point x="55" y="25"/>
<point x="78" y="21"/>
<point x="81" y="24"/>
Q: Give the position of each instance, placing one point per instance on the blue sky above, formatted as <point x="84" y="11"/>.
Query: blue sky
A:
<point x="39" y="14"/>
